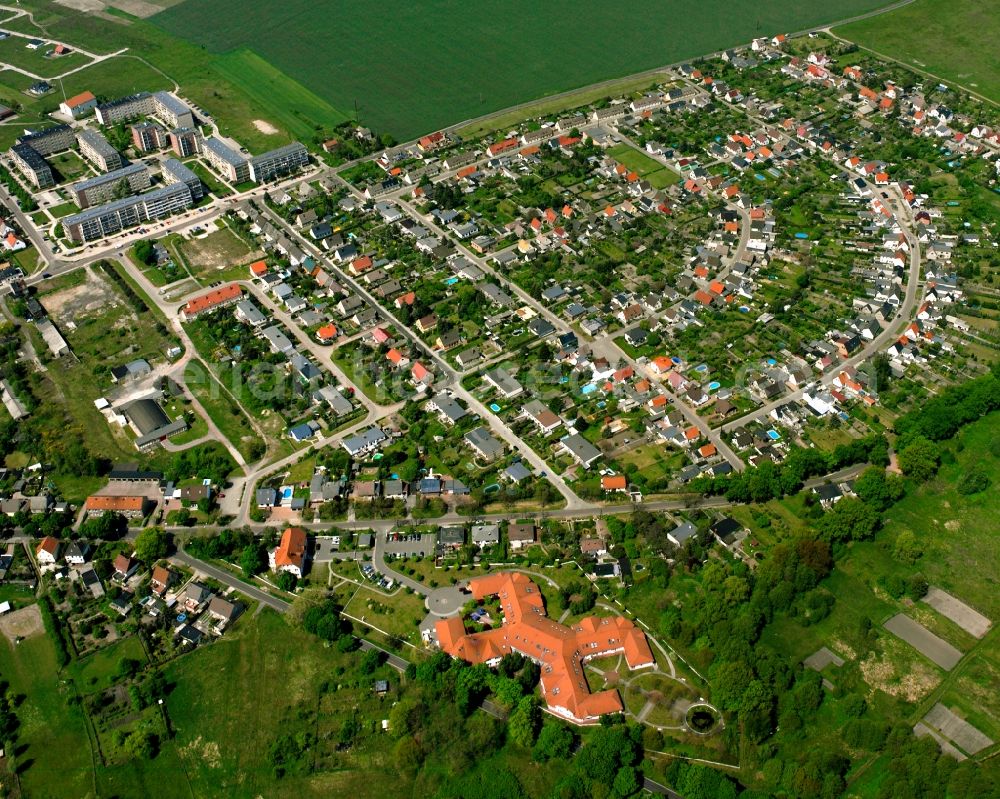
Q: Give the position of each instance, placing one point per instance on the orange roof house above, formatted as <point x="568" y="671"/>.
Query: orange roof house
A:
<point x="327" y="333"/>
<point x="258" y="268"/>
<point x="290" y="554"/>
<point x="692" y="433"/>
<point x="126" y="505"/>
<point x="560" y="650"/>
<point x="214" y="299"/>
<point x="614" y="483"/>
<point x="395" y="357"/>
<point x="80" y="99"/>
<point x="47" y="550"/>
<point x="707" y="451"/>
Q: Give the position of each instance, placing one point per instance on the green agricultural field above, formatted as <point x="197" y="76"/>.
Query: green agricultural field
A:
<point x="954" y="40"/>
<point x="281" y="100"/>
<point x="470" y="61"/>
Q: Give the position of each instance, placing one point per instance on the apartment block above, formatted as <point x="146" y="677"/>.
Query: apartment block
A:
<point x="105" y="220"/>
<point x="176" y="172"/>
<point x="233" y="166"/>
<point x="35" y="168"/>
<point x="185" y="141"/>
<point x="98" y="150"/>
<point x="149" y="136"/>
<point x="100" y="189"/>
<point x="279" y="162"/>
<point x="50" y="140"/>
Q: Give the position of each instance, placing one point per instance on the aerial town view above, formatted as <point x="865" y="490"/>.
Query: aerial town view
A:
<point x="451" y="401"/>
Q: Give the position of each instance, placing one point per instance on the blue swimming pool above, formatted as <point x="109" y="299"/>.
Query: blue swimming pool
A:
<point x="802" y="235"/>
<point x="714" y="385"/>
<point x="590" y="388"/>
<point x="602" y="404"/>
<point x="774" y="435"/>
<point x="451" y="281"/>
<point x="675" y="360"/>
<point x="494" y="407"/>
<point x="701" y="367"/>
<point x="286" y="493"/>
<point x="744" y="309"/>
<point x="771" y="362"/>
<point x="759" y="176"/>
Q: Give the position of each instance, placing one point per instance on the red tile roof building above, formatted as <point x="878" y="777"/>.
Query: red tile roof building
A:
<point x="221" y="296"/>
<point x="290" y="555"/>
<point x="560" y="650"/>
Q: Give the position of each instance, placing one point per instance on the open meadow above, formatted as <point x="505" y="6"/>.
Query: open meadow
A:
<point x="413" y="68"/>
<point x="952" y="39"/>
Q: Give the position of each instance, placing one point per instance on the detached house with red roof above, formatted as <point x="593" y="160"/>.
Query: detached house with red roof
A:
<point x="47" y="551"/>
<point x="560" y="650"/>
<point x="291" y="553"/>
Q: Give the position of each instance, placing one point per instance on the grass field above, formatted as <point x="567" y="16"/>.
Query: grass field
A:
<point x="221" y="255"/>
<point x="232" y="422"/>
<point x="951" y="39"/>
<point x="647" y="168"/>
<point x="235" y="697"/>
<point x="52" y="729"/>
<point x="281" y="100"/>
<point x="477" y="62"/>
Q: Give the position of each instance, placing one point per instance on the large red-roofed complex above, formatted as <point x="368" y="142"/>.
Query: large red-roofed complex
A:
<point x="560" y="650"/>
<point x="214" y="299"/>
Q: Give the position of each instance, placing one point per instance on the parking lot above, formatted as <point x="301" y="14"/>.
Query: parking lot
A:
<point x="408" y="545"/>
<point x="327" y="549"/>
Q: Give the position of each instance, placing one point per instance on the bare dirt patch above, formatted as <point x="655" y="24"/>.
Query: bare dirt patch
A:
<point x="22" y="623"/>
<point x="91" y="296"/>
<point x="265" y="127"/>
<point x="895" y="673"/>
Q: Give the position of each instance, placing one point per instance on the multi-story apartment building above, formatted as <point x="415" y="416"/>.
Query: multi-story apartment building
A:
<point x="100" y="189"/>
<point x="50" y="140"/>
<point x="98" y="150"/>
<point x="278" y="162"/>
<point x="35" y="168"/>
<point x="105" y="220"/>
<point x="185" y="141"/>
<point x="149" y="136"/>
<point x="233" y="166"/>
<point x="176" y="172"/>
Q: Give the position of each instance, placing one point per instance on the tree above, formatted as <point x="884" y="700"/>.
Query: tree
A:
<point x="906" y="548"/>
<point x="286" y="581"/>
<point x="524" y="722"/>
<point x="920" y="459"/>
<point x="849" y="520"/>
<point x="151" y="545"/>
<point x="626" y="781"/>
<point x="555" y="742"/>
<point x="974" y="481"/>
<point x="878" y="489"/>
<point x="253" y="560"/>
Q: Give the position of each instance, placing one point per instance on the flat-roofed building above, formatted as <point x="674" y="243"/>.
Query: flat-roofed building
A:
<point x="130" y="179"/>
<point x="232" y="165"/>
<point x="185" y="141"/>
<point x="173" y="112"/>
<point x="98" y="150"/>
<point x="31" y="164"/>
<point x="50" y="140"/>
<point x="278" y="162"/>
<point x="104" y="220"/>
<point x="150" y="424"/>
<point x="148" y="136"/>
<point x="130" y="107"/>
<point x="176" y="172"/>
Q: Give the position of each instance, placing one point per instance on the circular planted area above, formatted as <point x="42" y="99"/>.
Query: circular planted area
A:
<point x="658" y="700"/>
<point x="702" y="719"/>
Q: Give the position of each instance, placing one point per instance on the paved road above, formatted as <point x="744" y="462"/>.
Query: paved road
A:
<point x="224" y="577"/>
<point x="655" y="787"/>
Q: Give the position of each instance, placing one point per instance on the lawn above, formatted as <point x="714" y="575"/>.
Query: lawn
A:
<point x="233" y="699"/>
<point x="232" y="422"/>
<point x="951" y="39"/>
<point x="399" y="614"/>
<point x="532" y="51"/>
<point x="214" y="257"/>
<point x="52" y="728"/>
<point x="647" y="168"/>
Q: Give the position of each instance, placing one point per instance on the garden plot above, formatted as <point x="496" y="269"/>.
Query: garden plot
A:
<point x="935" y="649"/>
<point x="970" y="620"/>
